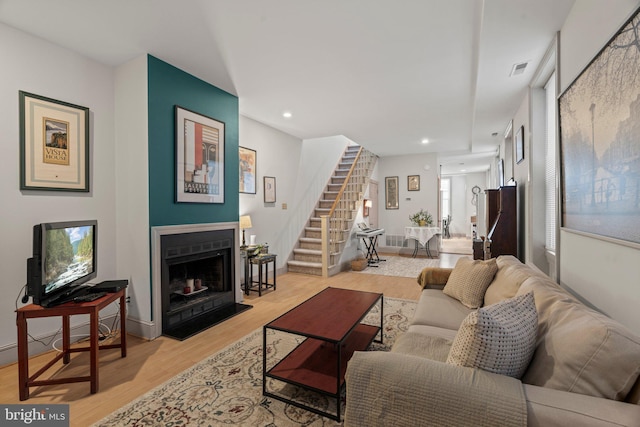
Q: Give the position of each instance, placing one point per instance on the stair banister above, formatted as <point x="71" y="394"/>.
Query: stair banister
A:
<point x="328" y="240"/>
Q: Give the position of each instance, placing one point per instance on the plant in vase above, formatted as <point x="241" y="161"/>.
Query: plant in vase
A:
<point x="421" y="218"/>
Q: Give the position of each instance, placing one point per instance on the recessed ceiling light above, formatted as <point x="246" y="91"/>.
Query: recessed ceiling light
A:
<point x="287" y="114"/>
<point x="425" y="140"/>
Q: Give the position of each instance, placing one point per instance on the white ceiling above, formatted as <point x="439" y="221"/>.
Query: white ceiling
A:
<point x="384" y="73"/>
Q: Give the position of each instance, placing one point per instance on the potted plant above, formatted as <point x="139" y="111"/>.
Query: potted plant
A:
<point x="421" y="218"/>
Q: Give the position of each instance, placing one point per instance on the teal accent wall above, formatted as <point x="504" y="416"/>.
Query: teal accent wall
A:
<point x="168" y="87"/>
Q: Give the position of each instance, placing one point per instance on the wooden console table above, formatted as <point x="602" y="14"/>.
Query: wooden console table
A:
<point x="67" y="310"/>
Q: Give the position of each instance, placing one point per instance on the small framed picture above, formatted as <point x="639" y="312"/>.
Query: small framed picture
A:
<point x="269" y="189"/>
<point x="520" y="145"/>
<point x="54" y="144"/>
<point x="413" y="182"/>
<point x="391" y="192"/>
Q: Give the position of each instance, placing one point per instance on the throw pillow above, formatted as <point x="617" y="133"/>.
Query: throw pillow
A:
<point x="499" y="338"/>
<point x="469" y="281"/>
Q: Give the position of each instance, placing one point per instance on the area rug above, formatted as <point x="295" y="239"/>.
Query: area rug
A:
<point x="400" y="266"/>
<point x="226" y="388"/>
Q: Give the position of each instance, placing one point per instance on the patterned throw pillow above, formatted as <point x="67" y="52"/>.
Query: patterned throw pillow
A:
<point x="499" y="338"/>
<point x="469" y="281"/>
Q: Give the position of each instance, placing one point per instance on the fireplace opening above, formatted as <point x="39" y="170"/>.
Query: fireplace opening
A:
<point x="198" y="281"/>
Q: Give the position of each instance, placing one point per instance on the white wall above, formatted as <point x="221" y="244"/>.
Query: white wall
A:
<point x="277" y="155"/>
<point x="604" y="273"/>
<point x="394" y="220"/>
<point x="301" y="169"/>
<point x="37" y="66"/>
<point x="132" y="216"/>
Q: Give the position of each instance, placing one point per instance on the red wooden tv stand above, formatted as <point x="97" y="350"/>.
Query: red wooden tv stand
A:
<point x="67" y="310"/>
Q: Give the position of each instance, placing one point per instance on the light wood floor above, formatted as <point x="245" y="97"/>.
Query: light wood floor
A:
<point x="151" y="363"/>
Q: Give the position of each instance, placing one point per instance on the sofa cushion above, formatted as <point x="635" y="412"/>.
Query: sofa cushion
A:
<point x="580" y="350"/>
<point x="437" y="309"/>
<point x="507" y="280"/>
<point x="424" y="345"/>
<point x="498" y="338"/>
<point x="469" y="281"/>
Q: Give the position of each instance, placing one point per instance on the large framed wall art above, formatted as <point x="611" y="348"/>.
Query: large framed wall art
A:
<point x="54" y="144"/>
<point x="199" y="158"/>
<point x="247" y="172"/>
<point x="600" y="141"/>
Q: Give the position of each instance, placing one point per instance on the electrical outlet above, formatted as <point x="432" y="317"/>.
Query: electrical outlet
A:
<point x="284" y="206"/>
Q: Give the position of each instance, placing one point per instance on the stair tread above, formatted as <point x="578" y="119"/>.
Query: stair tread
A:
<point x="305" y="264"/>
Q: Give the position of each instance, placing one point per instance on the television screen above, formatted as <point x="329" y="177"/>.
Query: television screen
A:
<point x="64" y="256"/>
<point x="68" y="256"/>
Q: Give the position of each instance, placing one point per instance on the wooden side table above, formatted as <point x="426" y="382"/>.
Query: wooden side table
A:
<point x="67" y="310"/>
<point x="261" y="260"/>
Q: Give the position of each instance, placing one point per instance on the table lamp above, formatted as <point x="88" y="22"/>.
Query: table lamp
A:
<point x="245" y="222"/>
<point x="367" y="204"/>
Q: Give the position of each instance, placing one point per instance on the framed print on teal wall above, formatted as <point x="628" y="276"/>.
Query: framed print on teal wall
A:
<point x="199" y="158"/>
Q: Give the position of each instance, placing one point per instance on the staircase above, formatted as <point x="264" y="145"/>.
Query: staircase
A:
<point x="336" y="208"/>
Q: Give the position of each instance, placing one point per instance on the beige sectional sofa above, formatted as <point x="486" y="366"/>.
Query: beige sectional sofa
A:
<point x="581" y="368"/>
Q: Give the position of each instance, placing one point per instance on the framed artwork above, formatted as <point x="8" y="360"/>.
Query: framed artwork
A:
<point x="520" y="145"/>
<point x="199" y="158"/>
<point x="600" y="142"/>
<point x="54" y="144"/>
<point x="391" y="192"/>
<point x="413" y="182"/>
<point x="247" y="158"/>
<point x="269" y="189"/>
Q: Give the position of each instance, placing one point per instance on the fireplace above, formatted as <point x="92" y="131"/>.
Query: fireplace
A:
<point x="197" y="281"/>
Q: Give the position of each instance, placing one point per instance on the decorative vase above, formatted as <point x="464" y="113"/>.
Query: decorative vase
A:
<point x="422" y="223"/>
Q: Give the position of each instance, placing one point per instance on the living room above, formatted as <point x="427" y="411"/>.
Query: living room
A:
<point x="132" y="149"/>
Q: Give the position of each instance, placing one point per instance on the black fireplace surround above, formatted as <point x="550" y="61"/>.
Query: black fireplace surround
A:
<point x="205" y="258"/>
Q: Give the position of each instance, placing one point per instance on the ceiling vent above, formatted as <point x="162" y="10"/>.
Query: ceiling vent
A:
<point x="518" y="68"/>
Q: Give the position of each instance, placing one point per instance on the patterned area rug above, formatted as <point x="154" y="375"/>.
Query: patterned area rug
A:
<point x="226" y="388"/>
<point x="400" y="266"/>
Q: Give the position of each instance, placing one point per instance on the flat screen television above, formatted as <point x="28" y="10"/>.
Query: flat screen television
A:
<point x="64" y="257"/>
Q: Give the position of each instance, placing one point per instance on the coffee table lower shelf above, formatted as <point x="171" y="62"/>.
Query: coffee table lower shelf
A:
<point x="319" y="365"/>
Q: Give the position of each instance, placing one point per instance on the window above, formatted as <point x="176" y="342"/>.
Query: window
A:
<point x="445" y="196"/>
<point x="550" y="165"/>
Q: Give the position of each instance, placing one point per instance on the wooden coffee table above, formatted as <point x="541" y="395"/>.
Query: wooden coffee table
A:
<point x="331" y="324"/>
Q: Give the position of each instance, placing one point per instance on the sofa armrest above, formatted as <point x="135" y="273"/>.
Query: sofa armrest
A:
<point x="434" y="277"/>
<point x="402" y="390"/>
<point x="550" y="408"/>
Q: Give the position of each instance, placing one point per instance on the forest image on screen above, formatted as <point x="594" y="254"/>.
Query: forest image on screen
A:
<point x="69" y="256"/>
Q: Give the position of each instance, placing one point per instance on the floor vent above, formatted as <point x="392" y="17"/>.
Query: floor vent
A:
<point x="396" y="241"/>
